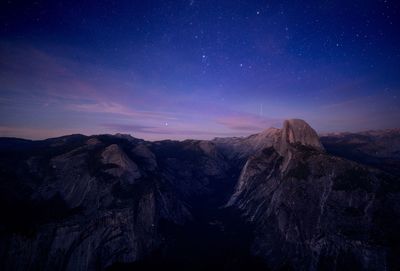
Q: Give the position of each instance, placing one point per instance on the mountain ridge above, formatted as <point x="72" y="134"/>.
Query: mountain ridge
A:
<point x="108" y="201"/>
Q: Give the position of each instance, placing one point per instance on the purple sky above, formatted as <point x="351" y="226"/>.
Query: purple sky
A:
<point x="210" y="71"/>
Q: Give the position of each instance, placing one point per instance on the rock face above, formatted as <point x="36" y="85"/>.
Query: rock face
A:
<point x="113" y="155"/>
<point x="98" y="202"/>
<point x="298" y="131"/>
<point x="313" y="211"/>
<point x="86" y="203"/>
<point x="240" y="148"/>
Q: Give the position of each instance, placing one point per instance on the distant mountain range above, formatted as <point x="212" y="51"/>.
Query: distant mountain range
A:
<point x="283" y="199"/>
<point x="379" y="149"/>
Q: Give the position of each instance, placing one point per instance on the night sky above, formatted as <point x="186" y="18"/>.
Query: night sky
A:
<point x="197" y="69"/>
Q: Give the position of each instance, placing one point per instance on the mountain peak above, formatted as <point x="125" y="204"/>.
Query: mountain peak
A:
<point x="299" y="131"/>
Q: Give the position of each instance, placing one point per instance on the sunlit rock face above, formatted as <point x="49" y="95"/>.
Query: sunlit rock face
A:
<point x="88" y="203"/>
<point x="296" y="131"/>
<point x="240" y="148"/>
<point x="314" y="211"/>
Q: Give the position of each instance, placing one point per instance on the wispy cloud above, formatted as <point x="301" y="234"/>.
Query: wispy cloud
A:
<point x="119" y="109"/>
<point x="87" y="94"/>
<point x="64" y="95"/>
<point x="248" y="123"/>
<point x="72" y="86"/>
<point x="163" y="130"/>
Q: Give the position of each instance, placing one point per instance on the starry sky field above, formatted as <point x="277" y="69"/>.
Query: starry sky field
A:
<point x="197" y="68"/>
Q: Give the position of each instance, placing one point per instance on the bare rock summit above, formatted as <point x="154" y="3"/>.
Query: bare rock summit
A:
<point x="298" y="131"/>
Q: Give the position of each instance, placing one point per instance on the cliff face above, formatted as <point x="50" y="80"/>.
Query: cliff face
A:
<point x="314" y="211"/>
<point x="296" y="131"/>
<point x="87" y="203"/>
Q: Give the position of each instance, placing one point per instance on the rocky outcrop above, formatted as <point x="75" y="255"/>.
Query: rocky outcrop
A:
<point x="240" y="148"/>
<point x="145" y="154"/>
<point x="84" y="206"/>
<point x="113" y="155"/>
<point x="87" y="203"/>
<point x="313" y="211"/>
<point x="296" y="131"/>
